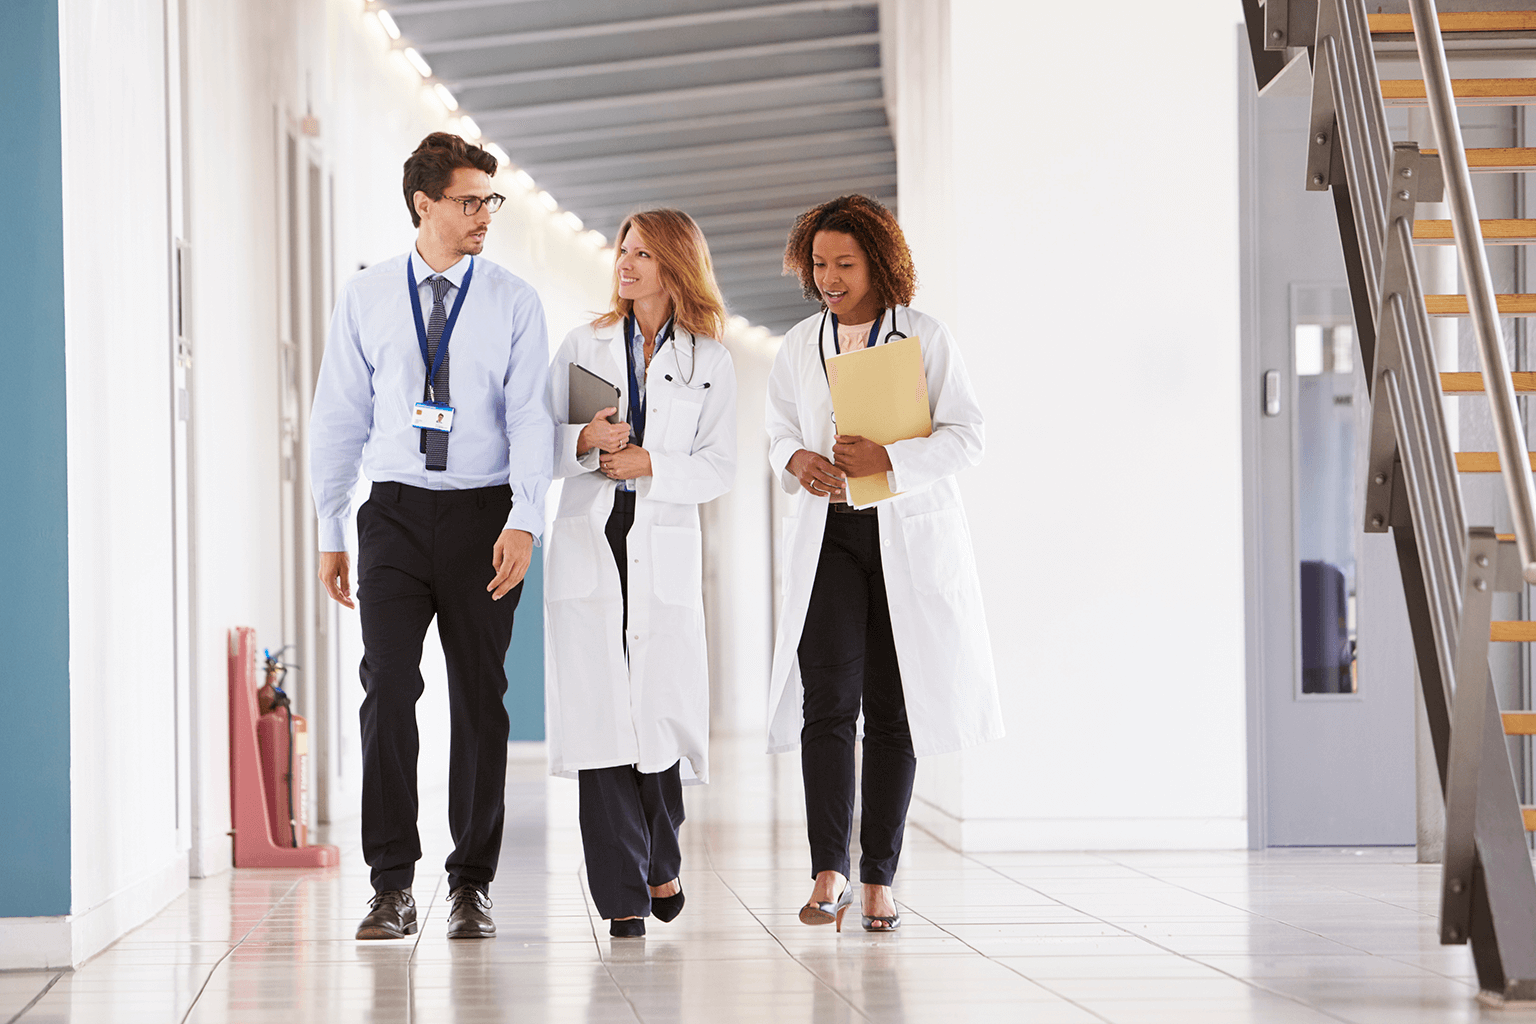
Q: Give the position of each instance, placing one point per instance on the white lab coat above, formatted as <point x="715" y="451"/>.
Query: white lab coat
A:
<point x="934" y="594"/>
<point x="653" y="709"/>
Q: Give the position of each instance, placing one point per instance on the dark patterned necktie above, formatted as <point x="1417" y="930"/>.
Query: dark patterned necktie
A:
<point x="435" y="442"/>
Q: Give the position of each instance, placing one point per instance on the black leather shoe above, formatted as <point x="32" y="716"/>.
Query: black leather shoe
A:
<point x="393" y="916"/>
<point x="468" y="918"/>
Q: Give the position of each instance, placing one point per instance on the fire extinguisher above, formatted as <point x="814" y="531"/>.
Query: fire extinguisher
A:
<point x="282" y="738"/>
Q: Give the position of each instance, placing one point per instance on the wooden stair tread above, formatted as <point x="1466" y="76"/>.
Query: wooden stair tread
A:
<point x="1457" y="21"/>
<point x="1468" y="91"/>
<point x="1528" y="814"/>
<point x="1505" y="231"/>
<point x="1483" y="462"/>
<point x="1510" y="158"/>
<point x="1456" y="305"/>
<point x="1517" y="632"/>
<point x="1520" y="723"/>
<point x="1463" y="383"/>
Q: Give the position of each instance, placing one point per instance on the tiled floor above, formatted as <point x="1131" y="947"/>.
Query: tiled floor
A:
<point x="1289" y="937"/>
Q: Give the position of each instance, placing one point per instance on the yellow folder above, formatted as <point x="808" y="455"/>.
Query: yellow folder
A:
<point x="880" y="393"/>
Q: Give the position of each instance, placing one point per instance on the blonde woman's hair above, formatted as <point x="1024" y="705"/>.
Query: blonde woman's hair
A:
<point x="685" y="269"/>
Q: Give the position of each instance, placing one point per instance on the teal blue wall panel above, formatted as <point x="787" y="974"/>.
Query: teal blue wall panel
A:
<point x="34" y="548"/>
<point x="525" y="658"/>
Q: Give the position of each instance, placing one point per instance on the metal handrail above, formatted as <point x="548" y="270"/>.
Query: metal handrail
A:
<point x="1481" y="302"/>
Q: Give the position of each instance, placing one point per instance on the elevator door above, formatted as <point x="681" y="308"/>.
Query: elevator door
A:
<point x="1335" y="687"/>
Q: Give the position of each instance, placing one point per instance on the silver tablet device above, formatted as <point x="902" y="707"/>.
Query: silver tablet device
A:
<point x="591" y="394"/>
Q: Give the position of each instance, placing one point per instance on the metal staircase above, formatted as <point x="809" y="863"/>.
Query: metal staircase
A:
<point x="1449" y="571"/>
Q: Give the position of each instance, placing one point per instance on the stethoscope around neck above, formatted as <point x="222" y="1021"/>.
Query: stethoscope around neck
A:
<point x="663" y="336"/>
<point x="837" y="349"/>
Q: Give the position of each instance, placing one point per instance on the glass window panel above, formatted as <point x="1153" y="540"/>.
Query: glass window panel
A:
<point x="1343" y="339"/>
<point x="1309" y="350"/>
<point x="1328" y="523"/>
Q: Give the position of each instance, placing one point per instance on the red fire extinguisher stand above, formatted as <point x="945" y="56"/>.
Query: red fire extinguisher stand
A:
<point x="256" y="837"/>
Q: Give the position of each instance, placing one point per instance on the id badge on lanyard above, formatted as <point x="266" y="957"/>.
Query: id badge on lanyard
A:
<point x="432" y="414"/>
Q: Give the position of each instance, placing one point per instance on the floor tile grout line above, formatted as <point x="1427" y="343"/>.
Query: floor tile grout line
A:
<point x="1009" y="967"/>
<point x="230" y="951"/>
<point x="410" y="961"/>
<point x="1276" y="920"/>
<point x="597" y="941"/>
<point x="709" y="855"/>
<point x="37" y="998"/>
<point x="1250" y="982"/>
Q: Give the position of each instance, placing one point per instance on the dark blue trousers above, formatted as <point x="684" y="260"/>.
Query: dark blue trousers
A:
<point x="629" y="818"/>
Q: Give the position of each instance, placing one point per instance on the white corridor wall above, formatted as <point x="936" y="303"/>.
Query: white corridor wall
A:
<point x="1069" y="184"/>
<point x="253" y="71"/>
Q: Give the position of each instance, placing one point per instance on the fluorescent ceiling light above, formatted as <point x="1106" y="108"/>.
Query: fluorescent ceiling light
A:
<point x="419" y="63"/>
<point x="388" y="22"/>
<point x="574" y="221"/>
<point x="523" y="178"/>
<point x="497" y="152"/>
<point x="597" y="238"/>
<point x="468" y="127"/>
<point x="446" y="96"/>
<point x="549" y="202"/>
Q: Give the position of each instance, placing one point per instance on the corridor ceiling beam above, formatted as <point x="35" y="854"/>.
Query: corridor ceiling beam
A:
<point x="826" y="80"/>
<point x="672" y="126"/>
<point x="744" y="113"/>
<point x="774" y="146"/>
<point x="599" y="30"/>
<point x="676" y="60"/>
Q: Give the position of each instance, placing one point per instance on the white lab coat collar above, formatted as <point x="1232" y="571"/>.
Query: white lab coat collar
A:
<point x="886" y="323"/>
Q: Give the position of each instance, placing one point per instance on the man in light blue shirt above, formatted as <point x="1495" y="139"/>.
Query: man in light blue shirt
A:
<point x="433" y="384"/>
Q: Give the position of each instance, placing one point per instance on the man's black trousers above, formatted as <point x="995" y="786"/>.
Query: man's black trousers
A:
<point x="848" y="660"/>
<point x="421" y="554"/>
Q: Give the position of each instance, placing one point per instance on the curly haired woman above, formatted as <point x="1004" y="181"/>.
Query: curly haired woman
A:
<point x="882" y="605"/>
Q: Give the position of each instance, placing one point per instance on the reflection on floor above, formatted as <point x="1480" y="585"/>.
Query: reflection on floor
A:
<point x="1047" y="938"/>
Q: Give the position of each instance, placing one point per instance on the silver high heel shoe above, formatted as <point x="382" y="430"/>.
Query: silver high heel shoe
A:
<point x="826" y="913"/>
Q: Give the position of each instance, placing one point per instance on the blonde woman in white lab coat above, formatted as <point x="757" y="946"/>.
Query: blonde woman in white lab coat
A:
<point x="626" y="678"/>
<point x="882" y="606"/>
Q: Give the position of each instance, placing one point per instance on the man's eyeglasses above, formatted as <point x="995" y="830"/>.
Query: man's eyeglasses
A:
<point x="472" y="204"/>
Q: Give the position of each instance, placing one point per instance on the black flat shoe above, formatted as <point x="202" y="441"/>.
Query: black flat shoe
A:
<point x="393" y="916"/>
<point x="630" y="928"/>
<point x="665" y="908"/>
<point x="468" y="918"/>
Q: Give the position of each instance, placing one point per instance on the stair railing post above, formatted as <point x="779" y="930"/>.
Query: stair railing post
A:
<point x="1481" y="301"/>
<point x="1466" y="760"/>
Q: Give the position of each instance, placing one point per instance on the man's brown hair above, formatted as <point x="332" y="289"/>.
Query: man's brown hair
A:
<point x="874" y="227"/>
<point x="431" y="167"/>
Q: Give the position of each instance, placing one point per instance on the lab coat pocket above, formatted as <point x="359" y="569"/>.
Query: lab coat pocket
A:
<point x="682" y="425"/>
<point x="572" y="569"/>
<point x="678" y="569"/>
<point x="939" y="550"/>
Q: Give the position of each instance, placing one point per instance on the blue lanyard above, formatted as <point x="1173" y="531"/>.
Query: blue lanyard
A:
<point x="874" y="332"/>
<point x="637" y="408"/>
<point x="433" y="365"/>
